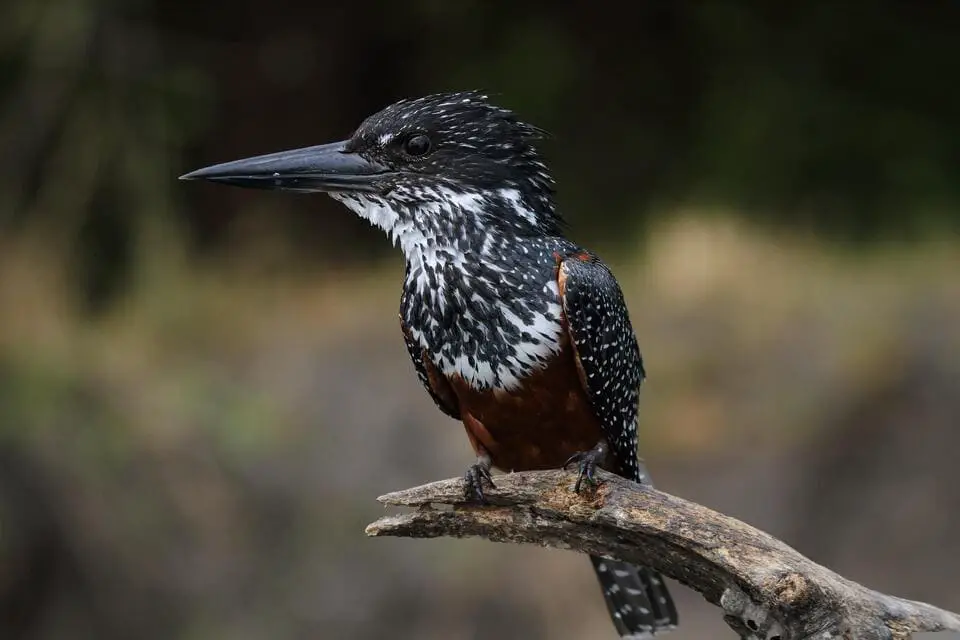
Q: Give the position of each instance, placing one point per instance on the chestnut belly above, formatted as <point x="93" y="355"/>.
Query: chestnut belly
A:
<point x="537" y="425"/>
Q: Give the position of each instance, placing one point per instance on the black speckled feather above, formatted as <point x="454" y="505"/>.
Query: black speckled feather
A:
<point x="606" y="346"/>
<point x="416" y="356"/>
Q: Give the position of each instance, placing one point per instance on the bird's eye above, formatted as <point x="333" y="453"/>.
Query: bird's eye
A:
<point x="417" y="145"/>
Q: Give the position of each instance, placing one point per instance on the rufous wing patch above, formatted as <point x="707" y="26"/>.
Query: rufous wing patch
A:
<point x="562" y="288"/>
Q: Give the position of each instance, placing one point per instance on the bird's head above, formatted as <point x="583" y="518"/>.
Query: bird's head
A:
<point x="421" y="167"/>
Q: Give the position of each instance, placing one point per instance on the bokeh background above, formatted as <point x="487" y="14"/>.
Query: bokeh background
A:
<point x="203" y="389"/>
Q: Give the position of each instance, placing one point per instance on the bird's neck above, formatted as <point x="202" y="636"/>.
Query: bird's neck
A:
<point x="442" y="227"/>
<point x="480" y="294"/>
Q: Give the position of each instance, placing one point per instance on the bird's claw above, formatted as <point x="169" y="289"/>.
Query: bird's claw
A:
<point x="587" y="463"/>
<point x="473" y="480"/>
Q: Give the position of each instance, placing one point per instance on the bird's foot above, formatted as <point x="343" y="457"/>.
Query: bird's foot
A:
<point x="587" y="464"/>
<point x="473" y="480"/>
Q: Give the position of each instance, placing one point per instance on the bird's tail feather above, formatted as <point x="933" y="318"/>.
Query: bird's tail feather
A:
<point x="637" y="597"/>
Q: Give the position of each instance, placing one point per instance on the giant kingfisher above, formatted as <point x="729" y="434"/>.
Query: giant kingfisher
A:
<point x="514" y="330"/>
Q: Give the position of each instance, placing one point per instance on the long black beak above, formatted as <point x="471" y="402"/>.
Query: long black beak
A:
<point x="326" y="167"/>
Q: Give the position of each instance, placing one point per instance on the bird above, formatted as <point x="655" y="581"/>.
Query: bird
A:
<point x="513" y="329"/>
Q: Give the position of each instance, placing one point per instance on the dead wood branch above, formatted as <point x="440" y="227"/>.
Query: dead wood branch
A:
<point x="765" y="588"/>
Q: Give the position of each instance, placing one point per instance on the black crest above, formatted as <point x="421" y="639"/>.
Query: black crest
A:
<point x="460" y="140"/>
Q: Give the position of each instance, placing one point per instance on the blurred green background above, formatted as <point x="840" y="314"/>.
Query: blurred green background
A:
<point x="203" y="389"/>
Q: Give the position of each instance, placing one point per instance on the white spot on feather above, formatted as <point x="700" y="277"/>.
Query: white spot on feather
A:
<point x="427" y="252"/>
<point x="512" y="196"/>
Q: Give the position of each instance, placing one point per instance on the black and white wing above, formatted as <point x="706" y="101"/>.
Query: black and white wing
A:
<point x="608" y="356"/>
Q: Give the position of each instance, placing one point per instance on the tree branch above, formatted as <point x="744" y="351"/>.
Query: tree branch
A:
<point x="765" y="588"/>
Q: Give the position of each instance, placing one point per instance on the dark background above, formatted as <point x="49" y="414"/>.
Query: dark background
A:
<point x="203" y="389"/>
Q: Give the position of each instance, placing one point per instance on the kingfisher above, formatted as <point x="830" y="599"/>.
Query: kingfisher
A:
<point x="514" y="330"/>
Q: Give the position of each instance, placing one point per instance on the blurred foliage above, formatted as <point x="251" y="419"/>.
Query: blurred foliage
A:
<point x="835" y="118"/>
<point x="202" y="388"/>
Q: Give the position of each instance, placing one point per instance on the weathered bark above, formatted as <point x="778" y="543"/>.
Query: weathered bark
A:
<point x="765" y="588"/>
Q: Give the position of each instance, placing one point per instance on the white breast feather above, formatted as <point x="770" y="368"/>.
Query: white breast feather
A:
<point x="422" y="253"/>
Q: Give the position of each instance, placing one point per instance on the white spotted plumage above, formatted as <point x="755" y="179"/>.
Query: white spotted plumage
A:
<point x="605" y="343"/>
<point x="433" y="228"/>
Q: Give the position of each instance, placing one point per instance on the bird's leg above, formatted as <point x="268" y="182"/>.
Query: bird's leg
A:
<point x="587" y="463"/>
<point x="476" y="475"/>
